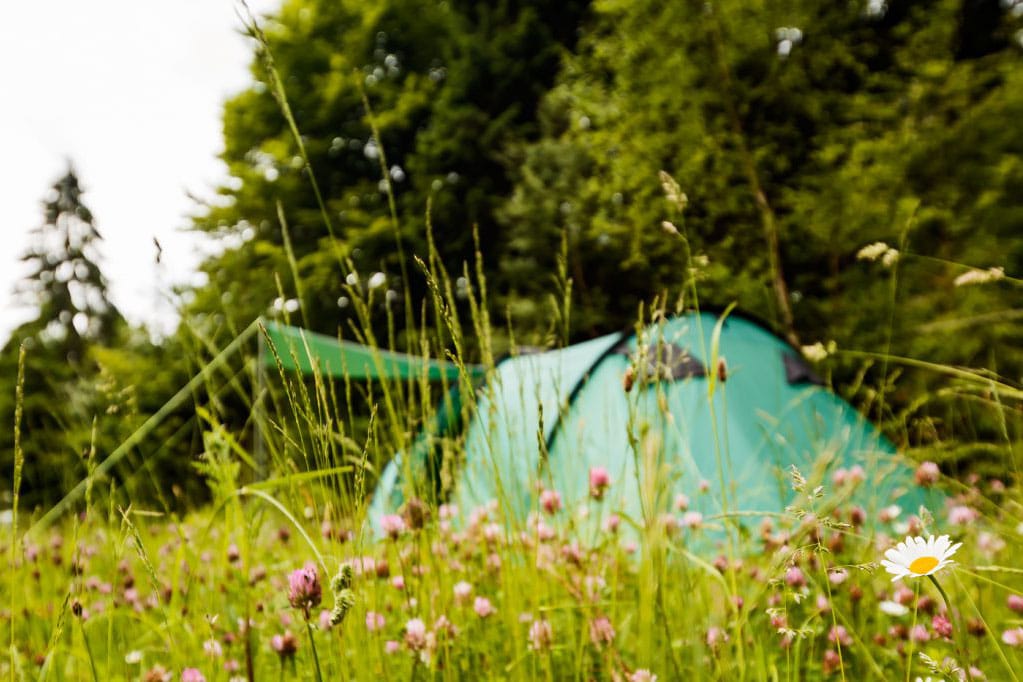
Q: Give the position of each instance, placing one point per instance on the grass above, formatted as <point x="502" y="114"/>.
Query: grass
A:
<point x="122" y="594"/>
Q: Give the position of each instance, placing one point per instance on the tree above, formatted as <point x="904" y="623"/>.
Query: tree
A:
<point x="64" y="281"/>
<point x="452" y="86"/>
<point x="863" y="122"/>
<point x="67" y="287"/>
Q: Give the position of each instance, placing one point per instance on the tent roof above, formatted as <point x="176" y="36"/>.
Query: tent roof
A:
<point x="305" y="351"/>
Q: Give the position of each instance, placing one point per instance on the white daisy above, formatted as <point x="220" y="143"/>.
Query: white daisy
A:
<point x="893" y="608"/>
<point x="917" y="557"/>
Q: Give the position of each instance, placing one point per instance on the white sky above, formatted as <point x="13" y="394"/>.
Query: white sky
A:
<point x="131" y="91"/>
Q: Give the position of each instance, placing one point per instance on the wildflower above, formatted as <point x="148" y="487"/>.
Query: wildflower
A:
<point x="284" y="645"/>
<point x="704" y="486"/>
<point x="415" y="513"/>
<point x="233" y="553"/>
<point x="831" y="661"/>
<point x="398" y="582"/>
<point x="904" y="595"/>
<point x="873" y="251"/>
<point x="415" y="634"/>
<point x="823" y="605"/>
<point x="483" y="607"/>
<point x="158" y="674"/>
<point x="815" y="353"/>
<point x="325" y="620"/>
<point x="492" y="532"/>
<point x="794" y="577"/>
<point x="779" y="621"/>
<point x="463" y="591"/>
<point x="927" y="474"/>
<point x="670" y="523"/>
<point x="975" y="276"/>
<point x="919" y="634"/>
<point x="681" y="502"/>
<point x="392" y="525"/>
<point x="716" y="636"/>
<point x="257" y="574"/>
<point x="192" y="675"/>
<point x="573" y="553"/>
<point x="391" y="647"/>
<point x="839" y="635"/>
<point x="133" y="657"/>
<point x="692" y="519"/>
<point x="304" y="591"/>
<point x="544" y="533"/>
<point x="837" y="576"/>
<point x="942" y="625"/>
<point x="1015" y="602"/>
<point x="601" y="631"/>
<point x="989" y="543"/>
<point x="540" y="635"/>
<point x="212" y="648"/>
<point x="642" y="675"/>
<point x="599" y="482"/>
<point x="893" y="608"/>
<point x="1013" y="637"/>
<point x="611" y="523"/>
<point x="918" y="557"/>
<point x="443" y="625"/>
<point x="962" y="515"/>
<point x="374" y="621"/>
<point x="550" y="500"/>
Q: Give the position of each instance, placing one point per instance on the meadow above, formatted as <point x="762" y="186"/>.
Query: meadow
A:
<point x="280" y="576"/>
<point x="259" y="563"/>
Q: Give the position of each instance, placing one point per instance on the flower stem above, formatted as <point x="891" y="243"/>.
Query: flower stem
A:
<point x="956" y="630"/>
<point x="910" y="642"/>
<point x="312" y="645"/>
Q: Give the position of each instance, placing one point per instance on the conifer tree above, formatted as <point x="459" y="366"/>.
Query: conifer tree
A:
<point x="64" y="280"/>
<point x="65" y="284"/>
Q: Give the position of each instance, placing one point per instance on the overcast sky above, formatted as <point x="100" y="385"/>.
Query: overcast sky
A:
<point x="131" y="91"/>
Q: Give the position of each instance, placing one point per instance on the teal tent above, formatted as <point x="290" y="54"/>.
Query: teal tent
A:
<point x="543" y="420"/>
<point x="736" y="404"/>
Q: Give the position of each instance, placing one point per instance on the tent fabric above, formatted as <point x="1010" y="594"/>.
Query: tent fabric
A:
<point x="669" y="442"/>
<point x="502" y="448"/>
<point x="668" y="439"/>
<point x="726" y="452"/>
<point x="302" y="350"/>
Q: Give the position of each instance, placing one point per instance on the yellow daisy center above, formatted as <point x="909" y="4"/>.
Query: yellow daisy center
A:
<point x="923" y="564"/>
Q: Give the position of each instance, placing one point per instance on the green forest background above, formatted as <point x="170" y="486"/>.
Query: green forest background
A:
<point x="799" y="132"/>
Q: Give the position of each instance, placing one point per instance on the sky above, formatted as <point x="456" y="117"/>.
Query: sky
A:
<point x="131" y="92"/>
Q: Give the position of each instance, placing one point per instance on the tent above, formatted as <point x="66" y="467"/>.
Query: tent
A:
<point x="718" y="412"/>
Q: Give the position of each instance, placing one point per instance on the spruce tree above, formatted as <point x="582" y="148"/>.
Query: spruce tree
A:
<point x="65" y="284"/>
<point x="65" y="281"/>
